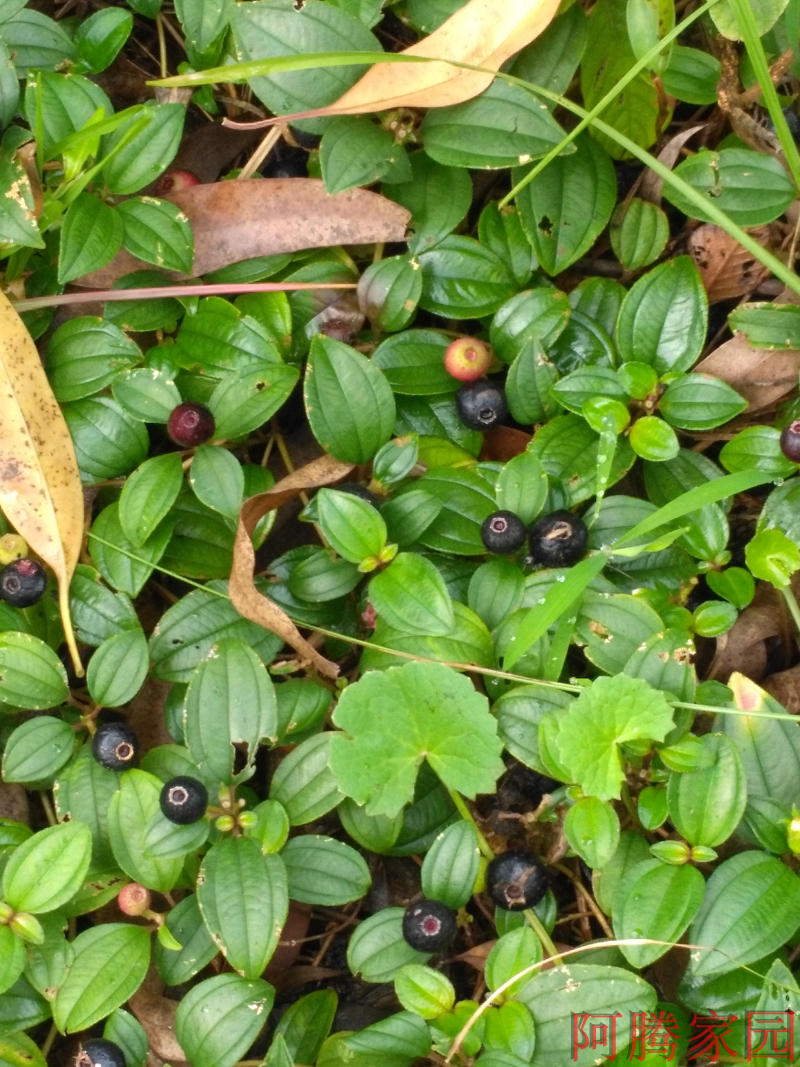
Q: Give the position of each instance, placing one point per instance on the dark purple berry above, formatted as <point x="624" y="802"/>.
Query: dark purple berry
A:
<point x="183" y="799"/>
<point x="481" y="404"/>
<point x="502" y="532"/>
<point x="97" y="1052"/>
<point x="790" y="441"/>
<point x="115" y="746"/>
<point x="429" y="925"/>
<point x="516" y="880"/>
<point x="558" y="539"/>
<point x="22" y="582"/>
<point x="190" y="424"/>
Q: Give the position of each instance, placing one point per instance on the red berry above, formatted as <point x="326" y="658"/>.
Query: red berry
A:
<point x="190" y="424"/>
<point x="174" y="181"/>
<point x="134" y="899"/>
<point x="790" y="441"/>
<point x="467" y="359"/>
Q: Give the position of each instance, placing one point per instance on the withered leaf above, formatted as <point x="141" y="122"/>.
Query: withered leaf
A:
<point x="727" y="269"/>
<point x="238" y="220"/>
<point x="40" y="487"/>
<point x="247" y="600"/>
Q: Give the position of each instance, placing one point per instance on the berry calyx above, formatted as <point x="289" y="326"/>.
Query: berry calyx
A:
<point x="115" y="746"/>
<point x="790" y="441"/>
<point x="175" y="181"/>
<point x="183" y="800"/>
<point x="429" y="925"/>
<point x="481" y="404"/>
<point x="516" y="880"/>
<point x="502" y="532"/>
<point x="134" y="899"/>
<point x="22" y="582"/>
<point x="97" y="1052"/>
<point x="190" y="424"/>
<point x="559" y="539"/>
<point x="467" y="359"/>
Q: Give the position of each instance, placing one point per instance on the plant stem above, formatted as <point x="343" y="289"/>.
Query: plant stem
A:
<point x="791" y="603"/>
<point x="537" y="926"/>
<point x="462" y="809"/>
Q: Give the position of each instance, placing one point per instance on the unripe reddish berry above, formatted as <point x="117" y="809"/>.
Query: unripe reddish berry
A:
<point x="467" y="359"/>
<point x="190" y="424"/>
<point x="790" y="441"/>
<point x="134" y="899"/>
<point x="175" y="181"/>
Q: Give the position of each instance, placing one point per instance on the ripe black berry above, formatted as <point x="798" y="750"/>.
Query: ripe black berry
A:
<point x="481" y="404"/>
<point x="790" y="441"/>
<point x="115" y="746"/>
<point x="502" y="532"/>
<point x="190" y="424"/>
<point x="22" y="582"/>
<point x="516" y="880"/>
<point x="429" y="925"/>
<point x="97" y="1052"/>
<point x="183" y="799"/>
<point x="558" y="539"/>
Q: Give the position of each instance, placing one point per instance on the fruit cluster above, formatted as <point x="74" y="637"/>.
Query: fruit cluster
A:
<point x="556" y="540"/>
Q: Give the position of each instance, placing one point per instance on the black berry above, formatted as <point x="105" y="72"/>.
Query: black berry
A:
<point x="22" y="582"/>
<point x="481" y="404"/>
<point x="502" y="532"/>
<point x="97" y="1052"/>
<point x="558" y="539"/>
<point x="115" y="746"/>
<point x="190" y="424"/>
<point x="790" y="441"/>
<point x="516" y="880"/>
<point x="183" y="799"/>
<point x="429" y="925"/>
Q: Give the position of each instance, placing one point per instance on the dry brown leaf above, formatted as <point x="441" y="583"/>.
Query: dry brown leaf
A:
<point x="40" y="486"/>
<point x="651" y="184"/>
<point x="247" y="600"/>
<point x="156" y="1013"/>
<point x="727" y="269"/>
<point x="760" y="375"/>
<point x="232" y="221"/>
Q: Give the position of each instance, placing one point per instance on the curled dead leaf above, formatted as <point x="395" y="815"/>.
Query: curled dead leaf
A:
<point x="239" y="220"/>
<point x="247" y="600"/>
<point x="40" y="486"/>
<point x="727" y="269"/>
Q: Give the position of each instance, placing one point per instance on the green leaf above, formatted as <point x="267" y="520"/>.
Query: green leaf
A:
<point x="565" y="208"/>
<point x="323" y="871"/>
<point x="100" y="36"/>
<point x="659" y="901"/>
<point x="529" y="384"/>
<point x="663" y="317"/>
<point x="423" y="990"/>
<point x="85" y="354"/>
<point x="592" y="830"/>
<point x="389" y="291"/>
<point x="217" y="480"/>
<point x="355" y="151"/>
<point x="505" y="126"/>
<point x="108" y="442"/>
<point x="12" y="958"/>
<point x="18" y="223"/>
<point x="568" y="449"/>
<point x="95" y="982"/>
<point x="185" y="924"/>
<point x="220" y="1018"/>
<point x="413" y="361"/>
<point x="450" y="868"/>
<point x="697" y="402"/>
<point x="437" y="197"/>
<point x="132" y="808"/>
<point x="377" y="949"/>
<point x="91" y="235"/>
<point x="535" y="315"/>
<point x="751" y="908"/>
<point x="639" y="232"/>
<point x="759" y="447"/>
<point x="768" y="325"/>
<point x="772" y="557"/>
<point x="18" y="1050"/>
<point x="510" y="954"/>
<point x="125" y="566"/>
<point x="466" y="499"/>
<point x="411" y="596"/>
<point x="37" y="749"/>
<point x="653" y="439"/>
<point x="157" y="232"/>
<point x="204" y="26"/>
<point x="462" y="279"/>
<point x="705" y="805"/>
<point x="335" y="374"/>
<point x="148" y="496"/>
<point x="147" y="394"/>
<point x="751" y="187"/>
<point x="692" y="75"/>
<point x="45" y="871"/>
<point x="522" y="486"/>
<point x="305" y="1024"/>
<point x="230" y="701"/>
<point x="137" y="158"/>
<point x="243" y="402"/>
<point x="304" y="783"/>
<point x="31" y="674"/>
<point x="354" y="527"/>
<point x="605" y="715"/>
<point x="117" y="670"/>
<point x="765" y="15"/>
<point x="436" y="715"/>
<point x="243" y="898"/>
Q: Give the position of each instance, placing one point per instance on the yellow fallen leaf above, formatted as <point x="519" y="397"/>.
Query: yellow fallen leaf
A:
<point x="483" y="33"/>
<point x="247" y="600"/>
<point x="40" y="487"/>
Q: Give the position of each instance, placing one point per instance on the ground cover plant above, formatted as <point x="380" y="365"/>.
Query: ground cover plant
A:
<point x="398" y="634"/>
